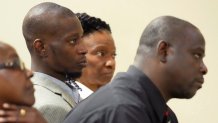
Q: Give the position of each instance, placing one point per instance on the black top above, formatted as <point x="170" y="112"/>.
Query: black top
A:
<point x="130" y="98"/>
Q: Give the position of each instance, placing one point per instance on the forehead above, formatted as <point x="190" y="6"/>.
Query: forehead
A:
<point x="192" y="39"/>
<point x="7" y="52"/>
<point x="70" y="23"/>
<point x="68" y="26"/>
<point x="99" y="38"/>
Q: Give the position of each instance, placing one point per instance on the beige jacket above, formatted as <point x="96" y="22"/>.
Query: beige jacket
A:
<point x="54" y="99"/>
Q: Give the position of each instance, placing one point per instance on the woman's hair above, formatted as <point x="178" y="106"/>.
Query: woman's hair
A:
<point x="91" y="24"/>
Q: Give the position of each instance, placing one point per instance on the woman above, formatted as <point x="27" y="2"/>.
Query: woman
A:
<point x="101" y="54"/>
<point x="16" y="89"/>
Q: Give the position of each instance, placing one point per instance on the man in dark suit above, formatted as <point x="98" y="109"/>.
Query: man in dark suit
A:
<point x="168" y="64"/>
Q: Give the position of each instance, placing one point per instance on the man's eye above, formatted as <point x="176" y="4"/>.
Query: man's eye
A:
<point x="197" y="56"/>
<point x="114" y="55"/>
<point x="73" y="41"/>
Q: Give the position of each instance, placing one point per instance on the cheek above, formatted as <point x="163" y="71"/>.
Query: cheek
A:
<point x="182" y="67"/>
<point x="70" y="53"/>
<point x="60" y="51"/>
<point x="94" y="66"/>
<point x="19" y="88"/>
<point x="14" y="86"/>
<point x="184" y="83"/>
<point x="6" y="92"/>
<point x="19" y="85"/>
<point x="16" y="95"/>
<point x="94" y="62"/>
<point x="188" y="71"/>
<point x="59" y="58"/>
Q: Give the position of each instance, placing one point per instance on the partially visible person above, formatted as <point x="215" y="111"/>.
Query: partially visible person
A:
<point x="100" y="56"/>
<point x="53" y="35"/>
<point x="168" y="64"/>
<point x="16" y="89"/>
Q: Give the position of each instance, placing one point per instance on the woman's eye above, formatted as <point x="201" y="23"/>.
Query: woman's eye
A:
<point x="100" y="53"/>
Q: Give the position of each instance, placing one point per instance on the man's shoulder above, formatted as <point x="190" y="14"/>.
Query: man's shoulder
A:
<point x="44" y="92"/>
<point x="48" y="103"/>
<point x="45" y="96"/>
<point x="108" y="98"/>
<point x="52" y="101"/>
<point x="52" y="111"/>
<point x="102" y="113"/>
<point x="42" y="78"/>
<point x="49" y="90"/>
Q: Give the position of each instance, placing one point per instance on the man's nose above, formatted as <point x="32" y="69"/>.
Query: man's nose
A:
<point x="82" y="49"/>
<point x="204" y="69"/>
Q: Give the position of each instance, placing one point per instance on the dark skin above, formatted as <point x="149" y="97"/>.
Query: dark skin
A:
<point x="53" y="43"/>
<point x="11" y="114"/>
<point x="175" y="64"/>
<point x="67" y="42"/>
<point x="100" y="59"/>
<point x="23" y="92"/>
<point x="189" y="74"/>
<point x="16" y="91"/>
<point x="52" y="34"/>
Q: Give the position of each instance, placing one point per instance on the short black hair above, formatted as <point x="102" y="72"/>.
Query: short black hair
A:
<point x="91" y="24"/>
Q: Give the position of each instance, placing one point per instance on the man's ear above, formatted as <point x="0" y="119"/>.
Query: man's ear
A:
<point x="39" y="48"/>
<point x="162" y="49"/>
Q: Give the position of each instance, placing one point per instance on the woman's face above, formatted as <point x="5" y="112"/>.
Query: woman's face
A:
<point x="15" y="84"/>
<point x="100" y="59"/>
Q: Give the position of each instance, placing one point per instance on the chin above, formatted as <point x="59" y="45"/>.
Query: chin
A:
<point x="75" y="75"/>
<point x="184" y="95"/>
<point x="30" y="102"/>
<point x="187" y="96"/>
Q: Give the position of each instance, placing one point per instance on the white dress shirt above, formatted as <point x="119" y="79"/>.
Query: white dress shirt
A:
<point x="84" y="91"/>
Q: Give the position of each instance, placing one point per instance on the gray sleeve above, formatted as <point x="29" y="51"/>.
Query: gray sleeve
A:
<point x="53" y="113"/>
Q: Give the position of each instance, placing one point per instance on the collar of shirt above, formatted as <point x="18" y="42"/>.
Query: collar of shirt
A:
<point x="85" y="91"/>
<point x="154" y="96"/>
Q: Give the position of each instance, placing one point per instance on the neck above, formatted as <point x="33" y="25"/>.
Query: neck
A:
<point x="93" y="87"/>
<point x="46" y="70"/>
<point x="151" y="70"/>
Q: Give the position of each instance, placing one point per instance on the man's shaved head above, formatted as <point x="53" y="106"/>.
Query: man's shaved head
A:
<point x="167" y="28"/>
<point x="170" y="53"/>
<point x="42" y="20"/>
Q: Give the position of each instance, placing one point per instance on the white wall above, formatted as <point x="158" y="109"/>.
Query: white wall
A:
<point x="128" y="19"/>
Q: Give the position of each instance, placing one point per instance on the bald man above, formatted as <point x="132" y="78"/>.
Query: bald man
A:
<point x="168" y="64"/>
<point x="53" y="34"/>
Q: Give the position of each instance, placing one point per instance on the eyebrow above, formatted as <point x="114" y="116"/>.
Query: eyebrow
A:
<point x="202" y="50"/>
<point x="13" y="56"/>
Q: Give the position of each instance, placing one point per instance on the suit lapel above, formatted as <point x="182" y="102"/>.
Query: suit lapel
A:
<point x="48" y="83"/>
